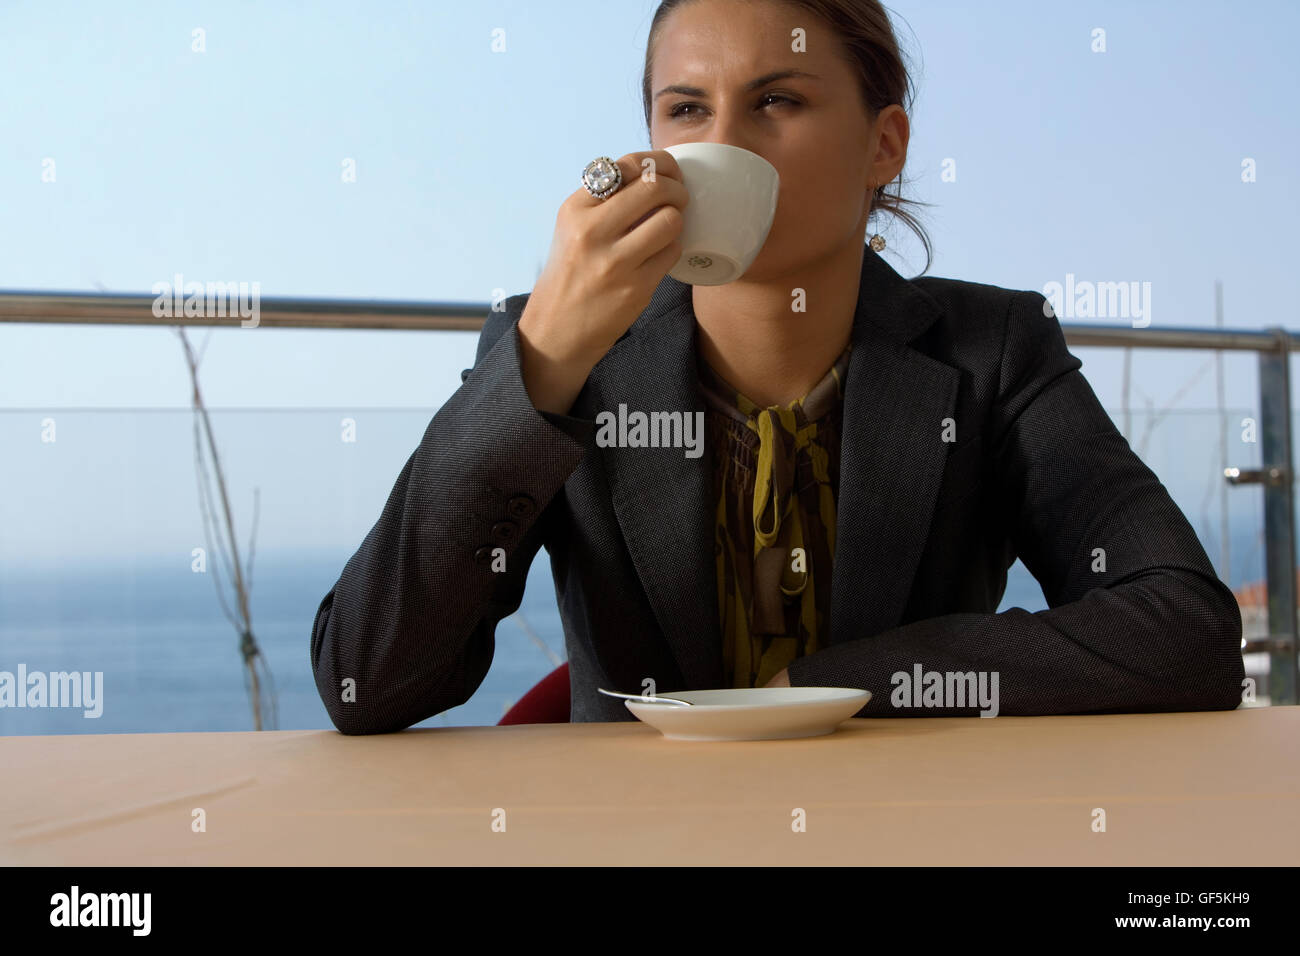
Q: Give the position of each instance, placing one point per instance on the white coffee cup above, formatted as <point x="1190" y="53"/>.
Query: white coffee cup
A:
<point x="733" y="202"/>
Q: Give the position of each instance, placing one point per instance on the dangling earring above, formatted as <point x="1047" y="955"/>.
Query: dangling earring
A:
<point x="877" y="242"/>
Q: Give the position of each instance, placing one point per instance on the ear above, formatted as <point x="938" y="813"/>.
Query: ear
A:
<point x="892" y="132"/>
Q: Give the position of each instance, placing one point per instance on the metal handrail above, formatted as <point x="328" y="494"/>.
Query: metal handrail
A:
<point x="118" y="308"/>
<point x="1273" y="346"/>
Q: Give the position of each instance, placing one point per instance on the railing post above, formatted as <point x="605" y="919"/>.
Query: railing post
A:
<point x="1279" y="517"/>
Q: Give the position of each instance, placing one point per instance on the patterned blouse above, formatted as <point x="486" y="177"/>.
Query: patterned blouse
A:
<point x="775" y="478"/>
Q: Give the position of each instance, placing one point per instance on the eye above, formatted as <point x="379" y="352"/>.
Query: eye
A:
<point x="681" y="108"/>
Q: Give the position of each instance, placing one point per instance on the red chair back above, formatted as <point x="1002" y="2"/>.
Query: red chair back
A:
<point x="545" y="703"/>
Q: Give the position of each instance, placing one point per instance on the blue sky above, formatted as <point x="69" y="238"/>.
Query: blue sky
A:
<point x="1115" y="166"/>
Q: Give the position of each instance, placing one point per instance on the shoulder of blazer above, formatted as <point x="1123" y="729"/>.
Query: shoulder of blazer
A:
<point x="963" y="298"/>
<point x="977" y="316"/>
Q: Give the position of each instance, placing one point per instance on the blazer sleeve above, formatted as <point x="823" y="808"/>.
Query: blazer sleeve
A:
<point x="407" y="631"/>
<point x="1138" y="621"/>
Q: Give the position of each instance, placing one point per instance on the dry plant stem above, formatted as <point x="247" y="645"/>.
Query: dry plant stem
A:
<point x="248" y="644"/>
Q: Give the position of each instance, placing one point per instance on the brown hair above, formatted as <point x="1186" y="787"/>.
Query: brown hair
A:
<point x="883" y="80"/>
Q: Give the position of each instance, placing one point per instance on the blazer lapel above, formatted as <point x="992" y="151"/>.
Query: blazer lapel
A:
<point x="891" y="461"/>
<point x="663" y="499"/>
<point x="891" y="454"/>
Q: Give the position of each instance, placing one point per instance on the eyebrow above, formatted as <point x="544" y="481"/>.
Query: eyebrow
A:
<point x="749" y="87"/>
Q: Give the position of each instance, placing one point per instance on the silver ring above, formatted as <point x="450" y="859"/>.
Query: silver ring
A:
<point x="602" y="177"/>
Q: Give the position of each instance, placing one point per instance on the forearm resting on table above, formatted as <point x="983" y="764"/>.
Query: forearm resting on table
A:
<point x="1163" y="642"/>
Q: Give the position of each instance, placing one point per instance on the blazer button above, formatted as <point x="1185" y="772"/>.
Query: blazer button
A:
<point x="483" y="555"/>
<point x="521" y="506"/>
<point x="504" y="531"/>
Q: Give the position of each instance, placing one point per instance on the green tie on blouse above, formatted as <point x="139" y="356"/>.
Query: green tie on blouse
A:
<point x="775" y="477"/>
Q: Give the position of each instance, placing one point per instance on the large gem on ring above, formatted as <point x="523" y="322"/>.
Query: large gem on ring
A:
<point x="602" y="177"/>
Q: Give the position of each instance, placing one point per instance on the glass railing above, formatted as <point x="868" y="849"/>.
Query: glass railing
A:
<point x="116" y="587"/>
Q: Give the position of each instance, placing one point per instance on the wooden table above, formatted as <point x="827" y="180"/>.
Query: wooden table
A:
<point x="1219" y="788"/>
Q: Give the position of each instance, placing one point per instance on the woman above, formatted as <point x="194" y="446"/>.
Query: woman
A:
<point x="876" y="460"/>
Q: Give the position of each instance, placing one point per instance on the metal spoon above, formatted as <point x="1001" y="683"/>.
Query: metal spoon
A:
<point x="649" y="699"/>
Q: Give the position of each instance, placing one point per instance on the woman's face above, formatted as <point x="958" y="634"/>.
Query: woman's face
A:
<point x="814" y="129"/>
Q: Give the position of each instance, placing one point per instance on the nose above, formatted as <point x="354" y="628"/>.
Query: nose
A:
<point x="724" y="132"/>
<point x="728" y="127"/>
<point x="723" y="137"/>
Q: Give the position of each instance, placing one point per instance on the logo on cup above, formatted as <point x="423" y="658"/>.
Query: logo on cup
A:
<point x="700" y="262"/>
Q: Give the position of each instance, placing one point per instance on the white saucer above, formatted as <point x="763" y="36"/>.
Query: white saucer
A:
<point x="752" y="713"/>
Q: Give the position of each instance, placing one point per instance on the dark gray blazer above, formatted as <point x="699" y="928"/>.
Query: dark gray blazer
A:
<point x="925" y="529"/>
